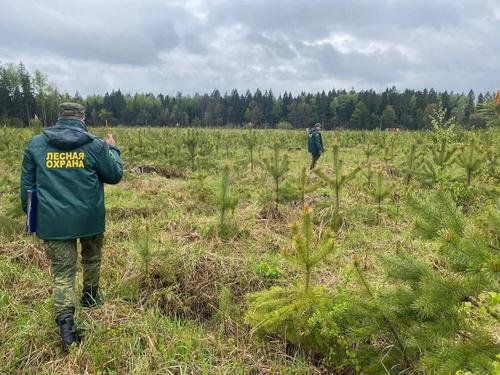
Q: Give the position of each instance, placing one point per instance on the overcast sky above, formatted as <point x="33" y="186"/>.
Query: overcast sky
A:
<point x="94" y="46"/>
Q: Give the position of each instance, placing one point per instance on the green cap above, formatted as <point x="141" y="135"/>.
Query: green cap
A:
<point x="71" y="110"/>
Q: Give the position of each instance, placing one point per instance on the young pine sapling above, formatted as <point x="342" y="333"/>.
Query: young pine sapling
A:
<point x="191" y="140"/>
<point x="338" y="181"/>
<point x="143" y="246"/>
<point x="441" y="154"/>
<point x="369" y="150"/>
<point x="388" y="153"/>
<point x="304" y="186"/>
<point x="200" y="175"/>
<point x="307" y="252"/>
<point x="470" y="160"/>
<point x="492" y="160"/>
<point x="250" y="142"/>
<point x="380" y="191"/>
<point x="277" y="166"/>
<point x="308" y="315"/>
<point x="411" y="164"/>
<point x="226" y="200"/>
<point x="368" y="173"/>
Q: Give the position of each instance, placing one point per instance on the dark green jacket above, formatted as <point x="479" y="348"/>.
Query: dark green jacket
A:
<point x="314" y="142"/>
<point x="68" y="167"/>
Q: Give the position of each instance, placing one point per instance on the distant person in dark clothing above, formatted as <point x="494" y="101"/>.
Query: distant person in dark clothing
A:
<point x="315" y="144"/>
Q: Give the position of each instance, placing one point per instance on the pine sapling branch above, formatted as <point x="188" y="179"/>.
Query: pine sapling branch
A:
<point x="469" y="160"/>
<point x="441" y="154"/>
<point x="368" y="173"/>
<point x="390" y="325"/>
<point x="277" y="166"/>
<point x="250" y="141"/>
<point x="380" y="192"/>
<point x="339" y="180"/>
<point x="226" y="200"/>
<point x="492" y="160"/>
<point x="369" y="150"/>
<point x="304" y="186"/>
<point x="411" y="164"/>
<point x="307" y="252"/>
<point x="388" y="153"/>
<point x="191" y="140"/>
<point x="143" y="246"/>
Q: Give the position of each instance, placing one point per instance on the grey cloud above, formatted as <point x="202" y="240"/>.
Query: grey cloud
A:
<point x="377" y="68"/>
<point x="80" y="35"/>
<point x="276" y="46"/>
<point x="319" y="16"/>
<point x="194" y="45"/>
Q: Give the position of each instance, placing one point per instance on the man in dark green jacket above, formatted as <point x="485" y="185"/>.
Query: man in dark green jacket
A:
<point x="68" y="167"/>
<point x="315" y="144"/>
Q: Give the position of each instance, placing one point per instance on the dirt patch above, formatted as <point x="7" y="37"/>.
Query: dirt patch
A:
<point x="391" y="171"/>
<point x="192" y="289"/>
<point x="160" y="171"/>
<point x="271" y="213"/>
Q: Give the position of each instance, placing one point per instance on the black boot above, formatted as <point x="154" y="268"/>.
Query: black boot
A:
<point x="69" y="334"/>
<point x="90" y="297"/>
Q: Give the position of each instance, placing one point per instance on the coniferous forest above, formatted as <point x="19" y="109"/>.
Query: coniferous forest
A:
<point x="24" y="95"/>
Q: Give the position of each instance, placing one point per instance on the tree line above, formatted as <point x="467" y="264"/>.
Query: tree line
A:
<point x="24" y="96"/>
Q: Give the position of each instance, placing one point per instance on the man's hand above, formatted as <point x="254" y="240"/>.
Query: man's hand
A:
<point x="109" y="140"/>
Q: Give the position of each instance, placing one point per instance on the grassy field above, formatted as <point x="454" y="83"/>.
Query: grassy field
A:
<point x="176" y="281"/>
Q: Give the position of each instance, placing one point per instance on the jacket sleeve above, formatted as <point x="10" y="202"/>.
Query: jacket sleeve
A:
<point x="109" y="165"/>
<point x="28" y="176"/>
<point x="319" y="142"/>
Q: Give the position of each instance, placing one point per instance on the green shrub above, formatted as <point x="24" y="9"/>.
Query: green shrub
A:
<point x="268" y="268"/>
<point x="430" y="312"/>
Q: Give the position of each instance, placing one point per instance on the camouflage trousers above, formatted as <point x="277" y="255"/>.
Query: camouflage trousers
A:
<point x="314" y="159"/>
<point x="63" y="256"/>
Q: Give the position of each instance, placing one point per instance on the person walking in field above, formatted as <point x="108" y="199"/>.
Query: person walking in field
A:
<point x="315" y="144"/>
<point x="68" y="167"/>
